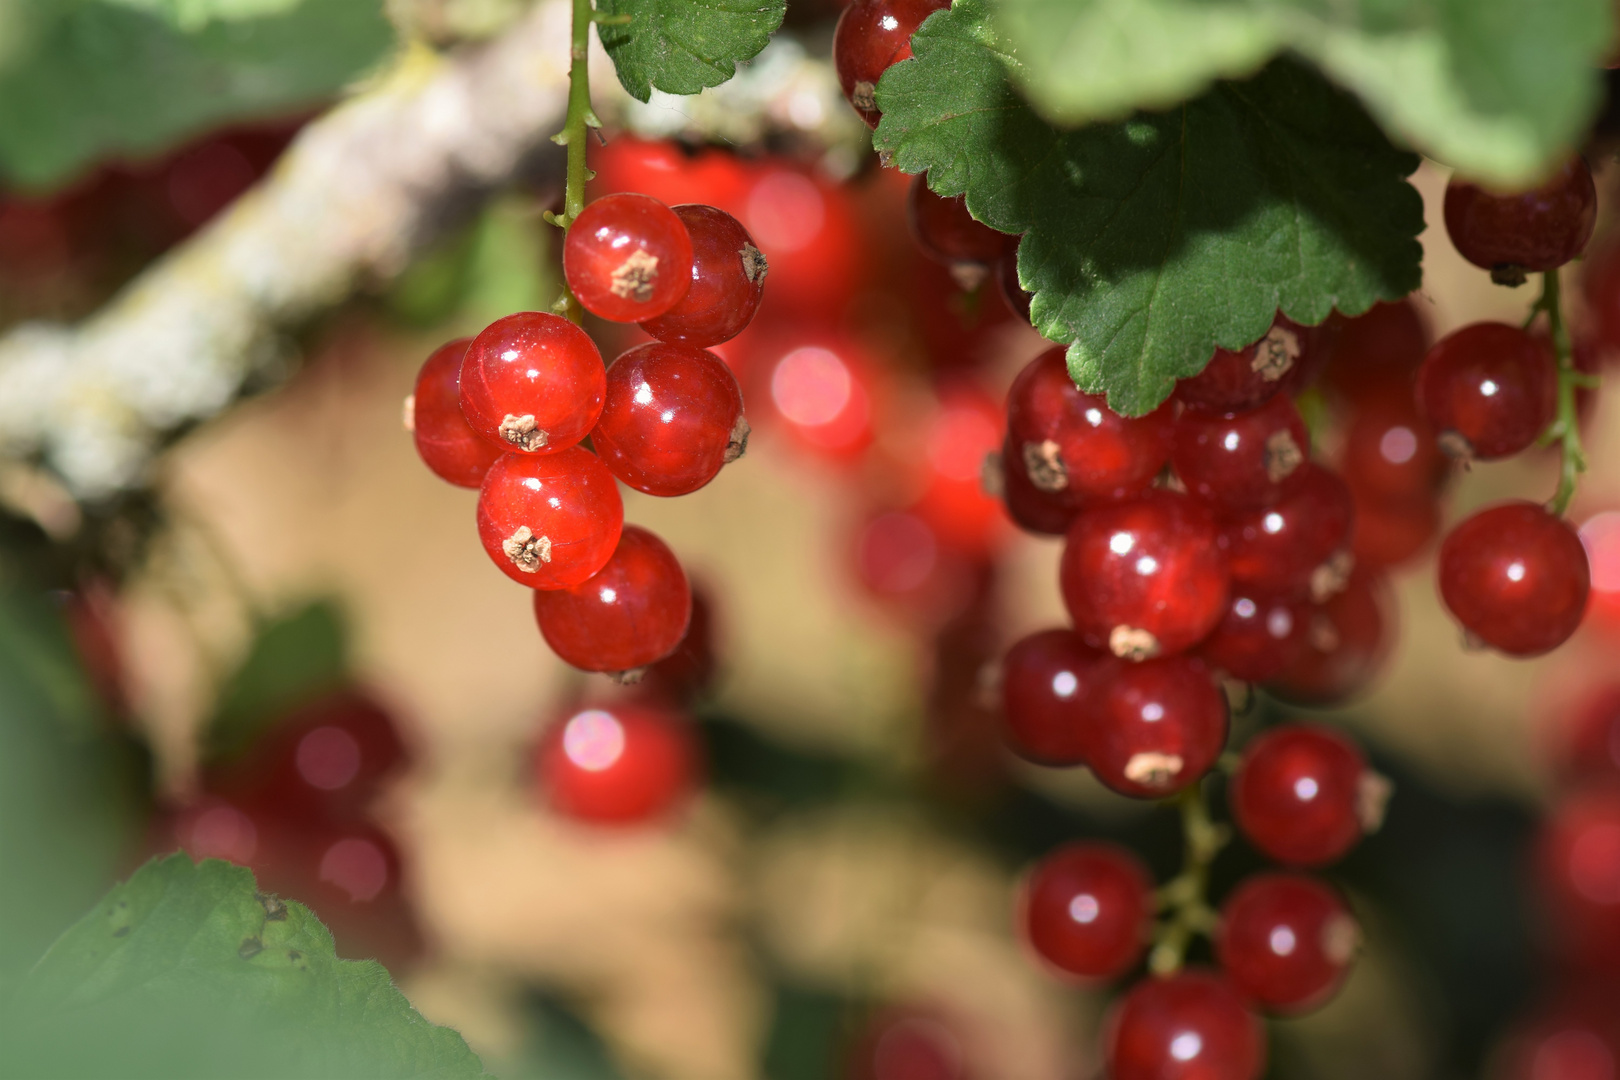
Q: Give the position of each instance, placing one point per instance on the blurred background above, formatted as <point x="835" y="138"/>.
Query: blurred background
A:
<point x="269" y="556"/>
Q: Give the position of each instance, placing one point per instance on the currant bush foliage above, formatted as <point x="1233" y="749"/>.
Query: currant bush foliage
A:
<point x="1152" y="240"/>
<point x="684" y="46"/>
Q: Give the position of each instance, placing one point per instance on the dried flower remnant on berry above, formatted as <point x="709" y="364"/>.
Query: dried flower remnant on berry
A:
<point x="1043" y="462"/>
<point x="737" y="445"/>
<point x="1275" y="353"/>
<point x="1131" y="643"/>
<point x="523" y="432"/>
<point x="754" y="265"/>
<point x="1153" y="770"/>
<point x="1283" y="455"/>
<point x="526" y="550"/>
<point x="635" y="277"/>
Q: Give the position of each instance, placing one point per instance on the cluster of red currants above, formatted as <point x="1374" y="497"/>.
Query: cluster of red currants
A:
<point x="509" y="412"/>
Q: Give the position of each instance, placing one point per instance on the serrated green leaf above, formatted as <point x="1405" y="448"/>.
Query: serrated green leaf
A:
<point x="187" y="970"/>
<point x="292" y="659"/>
<point x="685" y="46"/>
<point x="1149" y="242"/>
<point x="1498" y="88"/>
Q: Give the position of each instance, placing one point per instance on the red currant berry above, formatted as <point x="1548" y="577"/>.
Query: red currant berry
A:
<point x="1576" y="1037"/>
<point x="1391" y="532"/>
<point x="1260" y="637"/>
<point x="1155" y="726"/>
<point x="822" y="391"/>
<point x="631" y="613"/>
<point x="1303" y="794"/>
<point x="532" y="382"/>
<point x="1245" y="460"/>
<point x="1390" y="452"/>
<point x="1032" y="509"/>
<point x="667" y="171"/>
<point x="908" y="1044"/>
<point x="1591" y="749"/>
<point x="1292" y="543"/>
<point x="1087" y="909"/>
<point x="945" y="230"/>
<point x="728" y="281"/>
<point x="871" y="36"/>
<point x="1046" y="679"/>
<point x="1600" y="280"/>
<point x="900" y="560"/>
<point x="688" y="672"/>
<point x="1144" y="578"/>
<point x="1578" y="872"/>
<point x="1516" y="577"/>
<point x="628" y="258"/>
<point x="1068" y="439"/>
<point x="1347" y="640"/>
<point x="447" y="443"/>
<point x="1383" y="345"/>
<point x="352" y="878"/>
<point x="1286" y="941"/>
<point x="1600" y="535"/>
<point x="1530" y="231"/>
<point x="1235" y="381"/>
<point x="617" y="766"/>
<point x="550" y="522"/>
<point x="1189" y="1026"/>
<point x="672" y="416"/>
<point x="1489" y="389"/>
<point x="1012" y="290"/>
<point x="958" y="435"/>
<point x="814" y="233"/>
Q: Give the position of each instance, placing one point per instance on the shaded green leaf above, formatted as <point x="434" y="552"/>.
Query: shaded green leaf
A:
<point x="293" y="659"/>
<point x="684" y="46"/>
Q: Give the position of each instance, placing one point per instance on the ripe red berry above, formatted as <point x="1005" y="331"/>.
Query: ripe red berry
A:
<point x="1046" y="681"/>
<point x="1590" y="747"/>
<point x="1087" y="909"/>
<point x="1144" y="578"/>
<point x="1390" y="452"/>
<point x="631" y="613"/>
<point x="628" y="258"/>
<point x="945" y="230"/>
<point x="532" y="382"/>
<point x="1600" y="280"/>
<point x="1072" y="440"/>
<point x="907" y="1044"/>
<point x="1303" y="794"/>
<point x="447" y="443"/>
<point x="1385" y="344"/>
<point x="671" y="418"/>
<point x="1032" y="509"/>
<point x="1578" y="878"/>
<point x="1261" y="635"/>
<point x="688" y="672"/>
<point x="900" y="560"/>
<point x="617" y="765"/>
<point x="1291" y="544"/>
<point x="955" y="439"/>
<point x="1154" y="727"/>
<point x="549" y="522"/>
<point x="1574" y="1037"/>
<point x="1516" y="577"/>
<point x="1189" y="1026"/>
<point x="1285" y="941"/>
<point x="1530" y="231"/>
<point x="728" y="281"/>
<point x="1489" y="389"/>
<point x="821" y="389"/>
<point x="871" y="36"/>
<point x="1347" y="639"/>
<point x="1391" y="532"/>
<point x="1235" y="381"/>
<point x="1245" y="460"/>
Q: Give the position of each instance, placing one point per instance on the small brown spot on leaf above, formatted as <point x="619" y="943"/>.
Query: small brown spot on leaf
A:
<point x="274" y="909"/>
<point x="122" y="931"/>
<point x="634" y="278"/>
<point x="251" y="946"/>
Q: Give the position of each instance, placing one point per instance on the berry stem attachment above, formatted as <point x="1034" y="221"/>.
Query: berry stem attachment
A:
<point x="1183" y="896"/>
<point x="1564" y="430"/>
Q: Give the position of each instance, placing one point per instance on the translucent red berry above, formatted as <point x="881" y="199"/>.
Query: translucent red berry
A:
<point x="1155" y="727"/>
<point x="1390" y="452"/>
<point x="1574" y="1037"/>
<point x="1391" y="532"/>
<point x="1071" y="440"/>
<point x="628" y="258"/>
<point x="1144" y="578"/>
<point x="447" y="443"/>
<point x="1236" y="381"/>
<point x="1261" y="635"/>
<point x="871" y="36"/>
<point x="728" y="281"/>
<point x="1244" y="460"/>
<point x="821" y="389"/>
<point x="1046" y="680"/>
<point x="1516" y="577"/>
<point x="549" y="521"/>
<point x="631" y="613"/>
<point x="1489" y="389"/>
<point x="1087" y="909"/>
<point x="618" y="765"/>
<point x="956" y="437"/>
<point x="1303" y="795"/>
<point x="1188" y="1026"/>
<point x="908" y="1044"/>
<point x="689" y="671"/>
<point x="1384" y="344"/>
<point x="1524" y="232"/>
<point x="945" y="230"/>
<point x="1291" y="544"/>
<point x="1347" y="639"/>
<point x="1578" y="878"/>
<point x="1031" y="508"/>
<point x="1285" y="941"/>
<point x="532" y="382"/>
<point x="1590" y="749"/>
<point x="671" y="418"/>
<point x="1600" y="281"/>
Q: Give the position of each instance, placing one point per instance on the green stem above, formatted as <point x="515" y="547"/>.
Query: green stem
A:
<point x="575" y="134"/>
<point x="1564" y="429"/>
<point x="1184" y="896"/>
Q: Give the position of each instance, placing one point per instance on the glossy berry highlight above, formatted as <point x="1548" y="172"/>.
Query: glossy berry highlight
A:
<point x="446" y="442"/>
<point x="1046" y="683"/>
<point x="1291" y="544"/>
<point x="728" y="281"/>
<point x="628" y="258"/>
<point x="1189" y="1026"/>
<point x="1087" y="910"/>
<point x="1347" y="639"/>
<point x="1524" y="232"/>
<point x="631" y="613"/>
<point x="1489" y="389"/>
<point x="549" y="521"/>
<point x="532" y="383"/>
<point x="672" y="416"/>
<point x="1155" y="726"/>
<point x="1516" y="577"/>
<point x="1261" y="635"/>
<point x="1242" y="461"/>
<point x="1303" y="795"/>
<point x="620" y="765"/>
<point x="1286" y="941"/>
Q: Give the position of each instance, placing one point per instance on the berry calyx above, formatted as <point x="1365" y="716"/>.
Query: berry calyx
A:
<point x="1242" y="379"/>
<point x="446" y="442"/>
<point x="1046" y="681"/>
<point x="1087" y="909"/>
<point x="532" y="383"/>
<point x="871" y="36"/>
<point x="671" y="418"/>
<point x="1489" y="389"/>
<point x="1524" y="232"/>
<point x="549" y="521"/>
<point x="728" y="281"/>
<point x="1286" y="941"/>
<point x="1516" y="577"/>
<point x="1292" y="544"/>
<point x="945" y="230"/>
<point x="628" y="258"/>
<point x="618" y="765"/>
<point x="1031" y="508"/>
<point x="1261" y="635"/>
<point x="631" y="613"/>
<point x="1303" y="795"/>
<point x="1189" y="1026"/>
<point x="1245" y="460"/>
<point x="1155" y="727"/>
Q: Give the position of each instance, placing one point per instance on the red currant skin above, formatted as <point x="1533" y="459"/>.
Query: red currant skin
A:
<point x="871" y="36"/>
<point x="1155" y="726"/>
<point x="1591" y="750"/>
<point x="1516" y="577"/>
<point x="1033" y="510"/>
<point x="1072" y="440"/>
<point x="446" y="442"/>
<point x="672" y="417"/>
<point x="617" y="766"/>
<point x="1390" y="453"/>
<point x="1235" y="381"/>
<point x="728" y="281"/>
<point x="628" y="258"/>
<point x="1531" y="231"/>
<point x="1245" y="460"/>
<point x="1281" y="546"/>
<point x="1489" y="389"/>
<point x="631" y="613"/>
<point x="908" y="1044"/>
<point x="1188" y="1026"/>
<point x="1384" y="344"/>
<point x="1574" y="1037"/>
<point x="550" y="522"/>
<point x="687" y="673"/>
<point x="1578" y="875"/>
<point x="1347" y="639"/>
<point x="532" y="383"/>
<point x="1045" y="682"/>
<point x="1285" y="941"/>
<point x="945" y="230"/>
<point x="1087" y="909"/>
<point x="1144" y="578"/>
<point x="1303" y="795"/>
<point x="1600" y="281"/>
<point x="1392" y="533"/>
<point x="1261" y="635"/>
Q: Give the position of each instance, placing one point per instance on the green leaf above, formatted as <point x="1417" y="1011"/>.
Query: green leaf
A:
<point x="684" y="46"/>
<point x="1151" y="241"/>
<point x="195" y="14"/>
<point x="88" y="79"/>
<point x="187" y="970"/>
<point x="1498" y="88"/>
<point x="293" y="659"/>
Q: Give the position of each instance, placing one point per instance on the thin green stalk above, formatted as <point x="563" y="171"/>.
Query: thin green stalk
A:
<point x="1184" y="897"/>
<point x="1564" y="429"/>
